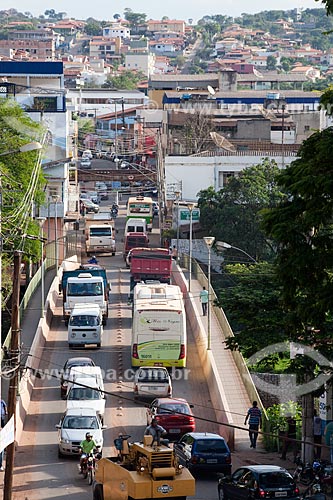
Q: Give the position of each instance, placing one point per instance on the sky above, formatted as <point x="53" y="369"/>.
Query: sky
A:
<point x="173" y="9"/>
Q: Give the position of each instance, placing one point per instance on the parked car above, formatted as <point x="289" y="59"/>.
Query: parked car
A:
<point x="85" y="163"/>
<point x="71" y="363"/>
<point x="72" y="429"/>
<point x="204" y="451"/>
<point x="155" y="208"/>
<point x="258" y="481"/>
<point x="174" y="415"/>
<point x="89" y="206"/>
<point x="151" y="382"/>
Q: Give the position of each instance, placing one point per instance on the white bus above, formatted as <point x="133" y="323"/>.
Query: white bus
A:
<point x="141" y="207"/>
<point x="159" y="326"/>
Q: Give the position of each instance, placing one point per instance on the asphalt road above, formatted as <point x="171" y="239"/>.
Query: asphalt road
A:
<point x="39" y="474"/>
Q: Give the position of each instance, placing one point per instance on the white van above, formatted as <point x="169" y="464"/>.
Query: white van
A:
<point x="85" y="325"/>
<point x="136" y="226"/>
<point x="85" y="393"/>
<point x="93" y="373"/>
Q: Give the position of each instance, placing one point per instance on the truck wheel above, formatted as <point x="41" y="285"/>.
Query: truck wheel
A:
<point x="113" y="254"/>
<point x="71" y="346"/>
<point x="98" y="492"/>
<point x="60" y="455"/>
<point x="99" y="345"/>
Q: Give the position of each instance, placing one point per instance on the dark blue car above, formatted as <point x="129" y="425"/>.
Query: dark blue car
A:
<point x="204" y="451"/>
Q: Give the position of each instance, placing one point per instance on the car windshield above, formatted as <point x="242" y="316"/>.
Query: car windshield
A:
<point x="275" y="479"/>
<point x="210" y="446"/>
<point x="71" y="422"/>
<point x="83" y="289"/>
<point x="84" y="320"/>
<point x="178" y="408"/>
<point x="83" y="393"/>
<point x="153" y="375"/>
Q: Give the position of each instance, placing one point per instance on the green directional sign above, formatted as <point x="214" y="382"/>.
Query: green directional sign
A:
<point x="184" y="215"/>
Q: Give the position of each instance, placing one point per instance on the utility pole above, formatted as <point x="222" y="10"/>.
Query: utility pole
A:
<point x="15" y="364"/>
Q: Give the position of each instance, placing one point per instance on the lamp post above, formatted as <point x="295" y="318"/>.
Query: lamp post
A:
<point x="177" y="195"/>
<point x="223" y="244"/>
<point x="55" y="199"/>
<point x="209" y="240"/>
<point x="190" y="207"/>
<point x="41" y="221"/>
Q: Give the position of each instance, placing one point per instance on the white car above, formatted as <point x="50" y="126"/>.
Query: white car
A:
<point x="87" y="393"/>
<point x="72" y="430"/>
<point x="85" y="163"/>
<point x="151" y="382"/>
<point x="87" y="154"/>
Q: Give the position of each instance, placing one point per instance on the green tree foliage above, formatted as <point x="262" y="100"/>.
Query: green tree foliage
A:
<point x="93" y="28"/>
<point x="233" y="213"/>
<point x="326" y="100"/>
<point x="271" y="63"/>
<point x="134" y="18"/>
<point x="301" y="226"/>
<point x="22" y="185"/>
<point x="126" y="80"/>
<point x="250" y="299"/>
<point x="328" y="5"/>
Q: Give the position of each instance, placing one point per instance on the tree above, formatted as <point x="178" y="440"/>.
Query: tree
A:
<point x="93" y="28"/>
<point x="22" y="185"/>
<point x="197" y="127"/>
<point x="301" y="226"/>
<point x="126" y="80"/>
<point x="250" y="298"/>
<point x="233" y="213"/>
<point x="134" y="18"/>
<point x="271" y="63"/>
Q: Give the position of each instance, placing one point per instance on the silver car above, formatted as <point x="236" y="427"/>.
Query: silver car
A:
<point x="73" y="427"/>
<point x="151" y="382"/>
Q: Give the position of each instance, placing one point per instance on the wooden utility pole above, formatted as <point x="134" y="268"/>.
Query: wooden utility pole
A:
<point x="15" y="357"/>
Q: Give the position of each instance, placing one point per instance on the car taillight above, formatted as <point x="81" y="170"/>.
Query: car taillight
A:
<point x="135" y="351"/>
<point x="296" y="490"/>
<point x="228" y="460"/>
<point x="136" y="388"/>
<point x="182" y="352"/>
<point x="194" y="459"/>
<point x="262" y="493"/>
<point x="169" y="390"/>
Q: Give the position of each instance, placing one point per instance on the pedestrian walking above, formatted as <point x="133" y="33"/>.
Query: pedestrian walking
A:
<point x="289" y="439"/>
<point x="174" y="253"/>
<point x="4" y="413"/>
<point x="204" y="300"/>
<point x="317" y="433"/>
<point x="328" y="433"/>
<point x="255" y="421"/>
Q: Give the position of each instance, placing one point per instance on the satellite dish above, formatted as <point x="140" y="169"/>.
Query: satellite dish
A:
<point x="268" y="113"/>
<point x="222" y="142"/>
<point x="257" y="73"/>
<point x="210" y="90"/>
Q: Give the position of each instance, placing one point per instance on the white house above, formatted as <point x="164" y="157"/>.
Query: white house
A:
<point x="144" y="62"/>
<point x="116" y="30"/>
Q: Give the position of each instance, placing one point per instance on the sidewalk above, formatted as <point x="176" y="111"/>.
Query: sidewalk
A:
<point x="236" y="394"/>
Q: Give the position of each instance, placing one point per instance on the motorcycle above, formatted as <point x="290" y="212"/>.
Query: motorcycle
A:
<point x="114" y="213"/>
<point x="88" y="465"/>
<point x="316" y="476"/>
<point x="91" y="464"/>
<point x="314" y="491"/>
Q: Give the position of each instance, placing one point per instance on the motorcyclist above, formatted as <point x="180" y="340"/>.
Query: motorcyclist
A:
<point x="93" y="260"/>
<point x="86" y="447"/>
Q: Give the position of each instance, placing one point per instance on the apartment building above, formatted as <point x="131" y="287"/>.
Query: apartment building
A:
<point x="42" y="49"/>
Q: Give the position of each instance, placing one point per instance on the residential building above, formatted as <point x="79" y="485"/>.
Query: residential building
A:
<point x="34" y="48"/>
<point x="116" y="30"/>
<point x="143" y="62"/>
<point x="166" y="25"/>
<point x="108" y="49"/>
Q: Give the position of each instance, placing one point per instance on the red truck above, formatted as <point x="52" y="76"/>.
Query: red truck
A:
<point x="133" y="240"/>
<point x="149" y="264"/>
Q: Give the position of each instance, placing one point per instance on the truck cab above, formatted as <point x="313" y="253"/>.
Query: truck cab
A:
<point x="134" y="240"/>
<point x="85" y="326"/>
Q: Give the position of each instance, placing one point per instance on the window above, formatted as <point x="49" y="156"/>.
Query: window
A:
<point x="224" y="178"/>
<point x="306" y="128"/>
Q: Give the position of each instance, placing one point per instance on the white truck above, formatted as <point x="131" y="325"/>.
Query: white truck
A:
<point x="100" y="233"/>
<point x="85" y="288"/>
<point x="85" y="325"/>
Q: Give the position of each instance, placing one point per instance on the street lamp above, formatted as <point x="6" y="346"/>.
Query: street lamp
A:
<point x="209" y="240"/>
<point x="55" y="199"/>
<point x="177" y="195"/>
<point x="41" y="221"/>
<point x="223" y="244"/>
<point x="190" y="207"/>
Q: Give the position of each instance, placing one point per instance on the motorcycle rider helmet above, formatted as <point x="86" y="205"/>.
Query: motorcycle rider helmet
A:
<point x="316" y="466"/>
<point x="88" y="435"/>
